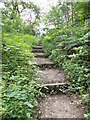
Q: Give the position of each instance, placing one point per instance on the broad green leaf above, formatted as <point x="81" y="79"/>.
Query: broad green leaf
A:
<point x="29" y="104"/>
<point x="28" y="115"/>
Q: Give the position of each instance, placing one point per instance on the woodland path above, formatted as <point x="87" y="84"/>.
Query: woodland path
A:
<point x="55" y="104"/>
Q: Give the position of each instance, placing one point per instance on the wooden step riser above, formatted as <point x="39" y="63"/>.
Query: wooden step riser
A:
<point x="37" y="47"/>
<point x="38" y="50"/>
<point x="44" y="66"/>
<point x="40" y="56"/>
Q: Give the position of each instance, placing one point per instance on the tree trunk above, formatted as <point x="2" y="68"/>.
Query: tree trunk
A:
<point x="78" y="20"/>
<point x="84" y="18"/>
<point x="72" y="7"/>
<point x="81" y="20"/>
<point x="67" y="15"/>
<point x="15" y="6"/>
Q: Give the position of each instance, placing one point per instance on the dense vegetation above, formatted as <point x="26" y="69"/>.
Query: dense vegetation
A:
<point x="70" y="52"/>
<point x="20" y="85"/>
<point x="20" y="88"/>
<point x="68" y="45"/>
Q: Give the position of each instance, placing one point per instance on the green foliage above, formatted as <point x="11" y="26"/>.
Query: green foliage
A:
<point x="47" y="42"/>
<point x="82" y="8"/>
<point x="54" y="16"/>
<point x="76" y="75"/>
<point x="67" y="13"/>
<point x="30" y="40"/>
<point x="11" y="17"/>
<point x="20" y="86"/>
<point x="12" y="23"/>
<point x="32" y="7"/>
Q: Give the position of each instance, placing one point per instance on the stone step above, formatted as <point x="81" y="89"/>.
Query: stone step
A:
<point x="40" y="55"/>
<point x="54" y="87"/>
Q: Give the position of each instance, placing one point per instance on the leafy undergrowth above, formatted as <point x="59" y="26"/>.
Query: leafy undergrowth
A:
<point x="20" y="86"/>
<point x="69" y="49"/>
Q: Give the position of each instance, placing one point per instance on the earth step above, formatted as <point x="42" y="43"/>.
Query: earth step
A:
<point x="52" y="75"/>
<point x="37" y="47"/>
<point x="40" y="55"/>
<point x="54" y="87"/>
<point x="60" y="107"/>
<point x="37" y="50"/>
<point x="44" y="62"/>
<point x="40" y="43"/>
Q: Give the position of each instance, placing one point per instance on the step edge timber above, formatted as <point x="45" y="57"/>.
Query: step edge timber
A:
<point x="54" y="84"/>
<point x="38" y="49"/>
<point x="51" y="63"/>
<point x="54" y="88"/>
